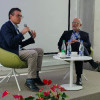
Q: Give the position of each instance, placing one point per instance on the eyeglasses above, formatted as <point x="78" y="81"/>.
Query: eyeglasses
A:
<point x="19" y="16"/>
<point x="75" y="23"/>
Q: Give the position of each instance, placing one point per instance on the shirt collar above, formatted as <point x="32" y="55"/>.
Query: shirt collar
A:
<point x="16" y="26"/>
<point x="76" y="32"/>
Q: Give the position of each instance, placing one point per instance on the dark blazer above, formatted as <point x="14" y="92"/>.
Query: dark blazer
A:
<point x="83" y="36"/>
<point x="10" y="40"/>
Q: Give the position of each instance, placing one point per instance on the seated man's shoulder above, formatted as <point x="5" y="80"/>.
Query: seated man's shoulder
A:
<point x="6" y="24"/>
<point x="84" y="32"/>
<point x="68" y="31"/>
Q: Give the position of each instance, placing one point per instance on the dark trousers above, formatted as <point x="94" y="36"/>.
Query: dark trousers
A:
<point x="79" y="64"/>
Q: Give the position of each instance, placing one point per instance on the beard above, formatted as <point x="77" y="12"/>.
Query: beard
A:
<point x="76" y="28"/>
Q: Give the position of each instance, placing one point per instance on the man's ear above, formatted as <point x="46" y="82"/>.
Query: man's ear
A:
<point x="10" y="16"/>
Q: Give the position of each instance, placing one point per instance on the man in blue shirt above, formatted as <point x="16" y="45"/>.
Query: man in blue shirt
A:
<point x="75" y="36"/>
<point x="11" y="40"/>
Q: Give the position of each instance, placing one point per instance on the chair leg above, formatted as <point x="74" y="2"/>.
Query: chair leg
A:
<point x="66" y="74"/>
<point x="9" y="76"/>
<point x="6" y="77"/>
<point x="14" y="73"/>
<point x="84" y="76"/>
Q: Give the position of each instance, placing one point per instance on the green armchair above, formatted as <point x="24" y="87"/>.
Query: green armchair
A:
<point x="91" y="51"/>
<point x="11" y="60"/>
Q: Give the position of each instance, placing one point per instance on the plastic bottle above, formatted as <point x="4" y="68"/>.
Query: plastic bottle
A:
<point x="68" y="48"/>
<point x="63" y="48"/>
<point x="81" y="48"/>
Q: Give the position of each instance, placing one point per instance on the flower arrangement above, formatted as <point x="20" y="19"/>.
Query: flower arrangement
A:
<point x="53" y="92"/>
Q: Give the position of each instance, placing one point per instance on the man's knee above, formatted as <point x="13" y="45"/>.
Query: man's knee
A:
<point x="40" y="51"/>
<point x="33" y="53"/>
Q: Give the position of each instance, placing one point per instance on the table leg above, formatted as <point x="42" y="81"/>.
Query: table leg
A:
<point x="71" y="73"/>
<point x="71" y="86"/>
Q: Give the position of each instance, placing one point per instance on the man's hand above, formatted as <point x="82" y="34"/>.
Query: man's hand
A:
<point x="72" y="41"/>
<point x="33" y="34"/>
<point x="25" y="30"/>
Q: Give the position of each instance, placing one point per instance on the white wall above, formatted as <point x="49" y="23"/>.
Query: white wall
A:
<point x="49" y="18"/>
<point x="86" y="14"/>
<point x="89" y="12"/>
<point x="74" y="10"/>
<point x="96" y="45"/>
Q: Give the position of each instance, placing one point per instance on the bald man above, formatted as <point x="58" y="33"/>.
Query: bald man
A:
<point x="75" y="36"/>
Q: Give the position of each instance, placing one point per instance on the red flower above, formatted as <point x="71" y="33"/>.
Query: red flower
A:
<point x="62" y="89"/>
<point x="5" y="93"/>
<point x="52" y="88"/>
<point x="46" y="93"/>
<point x="47" y="82"/>
<point x="40" y="99"/>
<point x="40" y="89"/>
<point x="57" y="86"/>
<point x="18" y="97"/>
<point x="57" y="95"/>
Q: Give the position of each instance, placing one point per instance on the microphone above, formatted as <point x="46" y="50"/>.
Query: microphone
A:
<point x="25" y="25"/>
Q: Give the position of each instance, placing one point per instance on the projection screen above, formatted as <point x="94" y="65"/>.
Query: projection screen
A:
<point x="49" y="18"/>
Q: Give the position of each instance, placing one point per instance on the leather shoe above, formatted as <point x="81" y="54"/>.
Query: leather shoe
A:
<point x="30" y="84"/>
<point x="38" y="81"/>
<point x="79" y="81"/>
<point x="94" y="64"/>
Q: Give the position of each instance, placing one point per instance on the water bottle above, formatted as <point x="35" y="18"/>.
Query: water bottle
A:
<point x="81" y="48"/>
<point x="68" y="48"/>
<point x="63" y="48"/>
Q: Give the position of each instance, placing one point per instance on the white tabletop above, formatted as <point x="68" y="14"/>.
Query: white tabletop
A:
<point x="73" y="58"/>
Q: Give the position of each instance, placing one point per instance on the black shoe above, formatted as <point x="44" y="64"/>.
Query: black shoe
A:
<point x="79" y="81"/>
<point x="38" y="81"/>
<point x="93" y="64"/>
<point x="30" y="84"/>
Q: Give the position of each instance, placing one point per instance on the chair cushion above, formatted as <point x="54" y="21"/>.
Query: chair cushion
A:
<point x="11" y="60"/>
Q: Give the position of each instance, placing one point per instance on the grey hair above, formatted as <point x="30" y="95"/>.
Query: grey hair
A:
<point x="79" y="20"/>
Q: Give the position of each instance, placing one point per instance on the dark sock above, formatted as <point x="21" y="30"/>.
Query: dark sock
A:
<point x="37" y="74"/>
<point x="78" y="75"/>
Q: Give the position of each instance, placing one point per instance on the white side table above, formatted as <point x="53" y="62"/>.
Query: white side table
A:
<point x="72" y="86"/>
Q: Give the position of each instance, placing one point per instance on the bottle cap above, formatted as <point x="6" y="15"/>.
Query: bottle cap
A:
<point x="68" y="40"/>
<point x="81" y="40"/>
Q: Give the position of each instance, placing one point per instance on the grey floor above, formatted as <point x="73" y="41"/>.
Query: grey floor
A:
<point x="90" y="91"/>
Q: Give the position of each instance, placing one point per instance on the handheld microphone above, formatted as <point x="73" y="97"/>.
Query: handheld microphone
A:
<point x="25" y="25"/>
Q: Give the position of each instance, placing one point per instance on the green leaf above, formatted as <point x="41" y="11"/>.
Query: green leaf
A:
<point x="47" y="97"/>
<point x="53" y="98"/>
<point x="29" y="98"/>
<point x="60" y="94"/>
<point x="64" y="96"/>
<point x="40" y="94"/>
